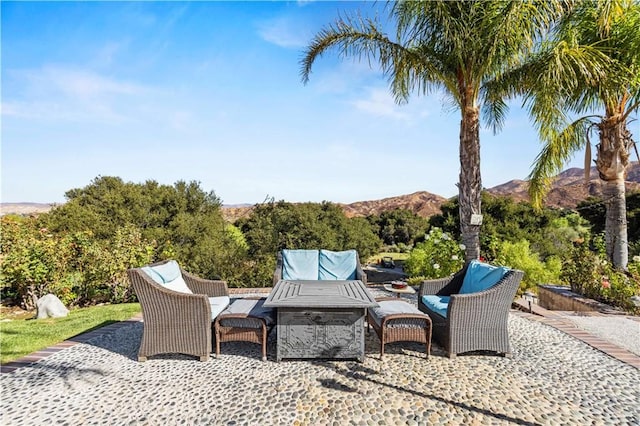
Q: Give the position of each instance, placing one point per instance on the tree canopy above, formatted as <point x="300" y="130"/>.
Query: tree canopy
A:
<point x="456" y="47"/>
<point x="184" y="221"/>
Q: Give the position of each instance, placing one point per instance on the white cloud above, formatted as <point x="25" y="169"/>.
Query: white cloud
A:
<point x="285" y="32"/>
<point x="77" y="83"/>
<point x="59" y="93"/>
<point x="343" y="77"/>
<point x="108" y="54"/>
<point x="381" y="104"/>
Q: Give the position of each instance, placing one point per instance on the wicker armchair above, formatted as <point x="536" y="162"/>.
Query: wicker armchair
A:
<point x="474" y="321"/>
<point x="277" y="275"/>
<point x="176" y="322"/>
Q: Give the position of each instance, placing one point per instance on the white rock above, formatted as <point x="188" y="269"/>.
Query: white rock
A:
<point x="50" y="306"/>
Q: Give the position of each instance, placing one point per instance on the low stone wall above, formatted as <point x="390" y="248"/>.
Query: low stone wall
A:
<point x="559" y="298"/>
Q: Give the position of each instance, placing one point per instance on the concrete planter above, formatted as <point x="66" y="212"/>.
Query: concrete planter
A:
<point x="559" y="298"/>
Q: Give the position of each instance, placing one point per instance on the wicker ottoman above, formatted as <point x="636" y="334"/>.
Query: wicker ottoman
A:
<point x="398" y="321"/>
<point x="245" y="320"/>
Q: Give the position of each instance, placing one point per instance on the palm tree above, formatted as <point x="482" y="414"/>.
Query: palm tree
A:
<point x="591" y="64"/>
<point x="456" y="47"/>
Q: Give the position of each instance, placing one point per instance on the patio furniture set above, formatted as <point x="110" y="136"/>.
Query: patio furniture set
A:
<point x="319" y="306"/>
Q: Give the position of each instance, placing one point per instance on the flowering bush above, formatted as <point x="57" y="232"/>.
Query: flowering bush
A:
<point x="592" y="276"/>
<point x="437" y="256"/>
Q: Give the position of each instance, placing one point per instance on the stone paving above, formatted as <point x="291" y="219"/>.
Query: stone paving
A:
<point x="552" y="379"/>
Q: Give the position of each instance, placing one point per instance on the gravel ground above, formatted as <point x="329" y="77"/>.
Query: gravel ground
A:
<point x="618" y="330"/>
<point x="551" y="379"/>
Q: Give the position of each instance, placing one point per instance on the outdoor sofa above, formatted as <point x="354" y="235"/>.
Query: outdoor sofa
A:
<point x="469" y="310"/>
<point x="318" y="265"/>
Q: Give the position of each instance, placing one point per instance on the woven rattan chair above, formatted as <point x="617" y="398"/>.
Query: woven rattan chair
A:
<point x="176" y="322"/>
<point x="475" y="321"/>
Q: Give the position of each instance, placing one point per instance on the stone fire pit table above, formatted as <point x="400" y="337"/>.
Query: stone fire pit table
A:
<point x="320" y="319"/>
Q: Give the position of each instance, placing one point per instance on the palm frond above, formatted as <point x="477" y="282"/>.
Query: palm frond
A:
<point x="494" y="112"/>
<point x="407" y="68"/>
<point x="355" y="37"/>
<point x="558" y="149"/>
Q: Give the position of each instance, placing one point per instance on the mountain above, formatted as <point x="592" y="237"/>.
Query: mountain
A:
<point x="568" y="188"/>
<point x="24" y="208"/>
<point x="422" y="203"/>
<point x="567" y="191"/>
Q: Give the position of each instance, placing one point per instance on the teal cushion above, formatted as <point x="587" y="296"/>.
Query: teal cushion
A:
<point x="299" y="264"/>
<point x="481" y="276"/>
<point x="152" y="274"/>
<point x="166" y="272"/>
<point x="337" y="265"/>
<point x="168" y="275"/>
<point x="438" y="304"/>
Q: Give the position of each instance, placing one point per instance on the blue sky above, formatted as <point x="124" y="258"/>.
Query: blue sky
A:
<point x="211" y="92"/>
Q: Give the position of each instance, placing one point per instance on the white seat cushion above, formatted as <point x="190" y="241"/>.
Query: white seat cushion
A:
<point x="218" y="304"/>
<point x="249" y="307"/>
<point x="393" y="307"/>
<point x="178" y="285"/>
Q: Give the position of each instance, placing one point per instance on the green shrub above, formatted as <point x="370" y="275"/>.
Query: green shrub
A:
<point x="518" y="255"/>
<point x="416" y="280"/>
<point x="34" y="262"/>
<point x="76" y="267"/>
<point x="437" y="256"/>
<point x="591" y="275"/>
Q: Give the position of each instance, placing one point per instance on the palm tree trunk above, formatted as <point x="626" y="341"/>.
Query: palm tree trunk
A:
<point x="470" y="186"/>
<point x="612" y="163"/>
<point x="615" y="227"/>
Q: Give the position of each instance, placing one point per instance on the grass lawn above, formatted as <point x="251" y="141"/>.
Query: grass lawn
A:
<point x="21" y="337"/>
<point x="394" y="256"/>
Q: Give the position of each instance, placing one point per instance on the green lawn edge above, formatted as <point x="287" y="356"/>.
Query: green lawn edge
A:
<point x="22" y="337"/>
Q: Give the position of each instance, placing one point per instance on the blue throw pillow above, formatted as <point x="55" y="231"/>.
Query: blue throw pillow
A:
<point x="299" y="264"/>
<point x="338" y="265"/>
<point x="481" y="276"/>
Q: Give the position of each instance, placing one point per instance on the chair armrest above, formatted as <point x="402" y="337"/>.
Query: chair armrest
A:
<point x="483" y="306"/>
<point x="431" y="287"/>
<point x="277" y="274"/>
<point x="212" y="288"/>
<point x="360" y="274"/>
<point x="443" y="286"/>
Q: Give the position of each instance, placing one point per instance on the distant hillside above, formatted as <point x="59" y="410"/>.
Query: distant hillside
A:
<point x="422" y="203"/>
<point x="24" y="208"/>
<point x="569" y="187"/>
<point x="568" y="190"/>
